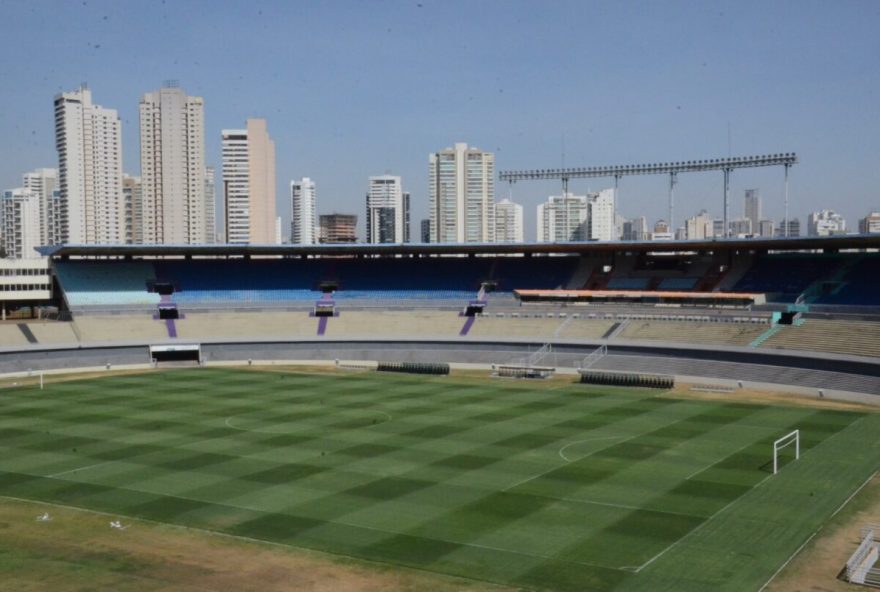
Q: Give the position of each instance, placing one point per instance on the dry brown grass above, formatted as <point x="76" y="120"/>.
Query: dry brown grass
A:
<point x="78" y="551"/>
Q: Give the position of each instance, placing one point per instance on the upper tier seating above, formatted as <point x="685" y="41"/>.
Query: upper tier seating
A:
<point x="624" y="283"/>
<point x="678" y="284"/>
<point x="786" y="275"/>
<point x="861" y="285"/>
<point x="106" y="283"/>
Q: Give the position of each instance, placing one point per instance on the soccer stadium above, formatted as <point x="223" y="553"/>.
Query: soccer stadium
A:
<point x="594" y="416"/>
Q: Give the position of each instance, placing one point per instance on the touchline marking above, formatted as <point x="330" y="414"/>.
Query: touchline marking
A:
<point x="562" y="450"/>
<point x="799" y="549"/>
<point x="787" y="561"/>
<point x="698" y="527"/>
<point x="54" y="475"/>
<point x="854" y="493"/>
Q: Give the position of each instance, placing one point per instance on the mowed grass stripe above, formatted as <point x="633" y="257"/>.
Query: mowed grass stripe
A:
<point x="424" y="489"/>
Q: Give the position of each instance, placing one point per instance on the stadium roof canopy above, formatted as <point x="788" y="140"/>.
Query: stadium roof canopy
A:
<point x="840" y="242"/>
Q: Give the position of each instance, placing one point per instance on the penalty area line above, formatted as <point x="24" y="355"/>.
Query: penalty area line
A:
<point x="54" y="475"/>
<point x="696" y="528"/>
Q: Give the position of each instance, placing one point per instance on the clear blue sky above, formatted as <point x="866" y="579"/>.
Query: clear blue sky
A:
<point x="352" y="89"/>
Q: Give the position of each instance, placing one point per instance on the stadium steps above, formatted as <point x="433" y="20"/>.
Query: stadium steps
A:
<point x="842" y="337"/>
<point x="765" y="336"/>
<point x="693" y="332"/>
<point x="52" y="332"/>
<point x="582" y="274"/>
<point x="11" y="335"/>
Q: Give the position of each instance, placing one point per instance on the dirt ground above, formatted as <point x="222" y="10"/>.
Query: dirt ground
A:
<point x="769" y="397"/>
<point x="78" y="550"/>
<point x="818" y="567"/>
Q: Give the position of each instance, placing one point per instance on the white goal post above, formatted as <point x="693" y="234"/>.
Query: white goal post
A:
<point x="786" y="440"/>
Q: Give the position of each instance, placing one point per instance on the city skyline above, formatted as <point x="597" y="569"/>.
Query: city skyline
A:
<point x="700" y="94"/>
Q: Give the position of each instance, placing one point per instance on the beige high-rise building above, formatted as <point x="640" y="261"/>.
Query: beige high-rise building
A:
<point x="133" y="206"/>
<point x="88" y="138"/>
<point x="44" y="182"/>
<point x="20" y="215"/>
<point x="462" y="195"/>
<point x="249" y="184"/>
<point x="173" y="167"/>
<point x="508" y="222"/>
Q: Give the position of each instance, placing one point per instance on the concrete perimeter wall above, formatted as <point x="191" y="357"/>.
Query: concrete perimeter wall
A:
<point x="753" y="367"/>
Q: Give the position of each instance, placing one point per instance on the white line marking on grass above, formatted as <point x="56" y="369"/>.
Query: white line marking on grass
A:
<point x="54" y="475"/>
<point x="854" y="493"/>
<point x="562" y="450"/>
<point x="787" y="561"/>
<point x="289" y="546"/>
<point x="612" y="505"/>
<point x="723" y="458"/>
<point x="634" y="436"/>
<point x="799" y="549"/>
<point x="695" y="529"/>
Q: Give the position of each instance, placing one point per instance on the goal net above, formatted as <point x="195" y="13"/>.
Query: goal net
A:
<point x="794" y="438"/>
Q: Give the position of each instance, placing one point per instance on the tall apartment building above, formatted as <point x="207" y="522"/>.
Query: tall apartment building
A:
<point x="870" y="224"/>
<point x="303" y="223"/>
<point x="825" y="223"/>
<point x="462" y="190"/>
<point x="508" y="222"/>
<point x="603" y="225"/>
<point x="249" y="184"/>
<point x="699" y="227"/>
<point x="338" y="228"/>
<point x="44" y="183"/>
<point x="173" y="167"/>
<point x="425" y="230"/>
<point x="752" y="208"/>
<point x="133" y="206"/>
<point x="741" y="227"/>
<point x="790" y="229"/>
<point x="210" y="206"/>
<point x="20" y="217"/>
<point x="635" y="229"/>
<point x="88" y="139"/>
<point x="387" y="210"/>
<point x="563" y="218"/>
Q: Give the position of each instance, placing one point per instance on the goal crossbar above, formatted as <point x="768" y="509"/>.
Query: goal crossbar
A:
<point x="786" y="440"/>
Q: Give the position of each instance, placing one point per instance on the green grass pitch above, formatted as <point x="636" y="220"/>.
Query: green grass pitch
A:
<point x="569" y="488"/>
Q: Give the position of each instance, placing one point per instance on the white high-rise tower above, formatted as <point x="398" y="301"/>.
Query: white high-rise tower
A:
<point x="89" y="143"/>
<point x="386" y="210"/>
<point x="173" y="167"/>
<point x="302" y="205"/>
<point x="508" y="222"/>
<point x="462" y="195"/>
<point x="563" y="218"/>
